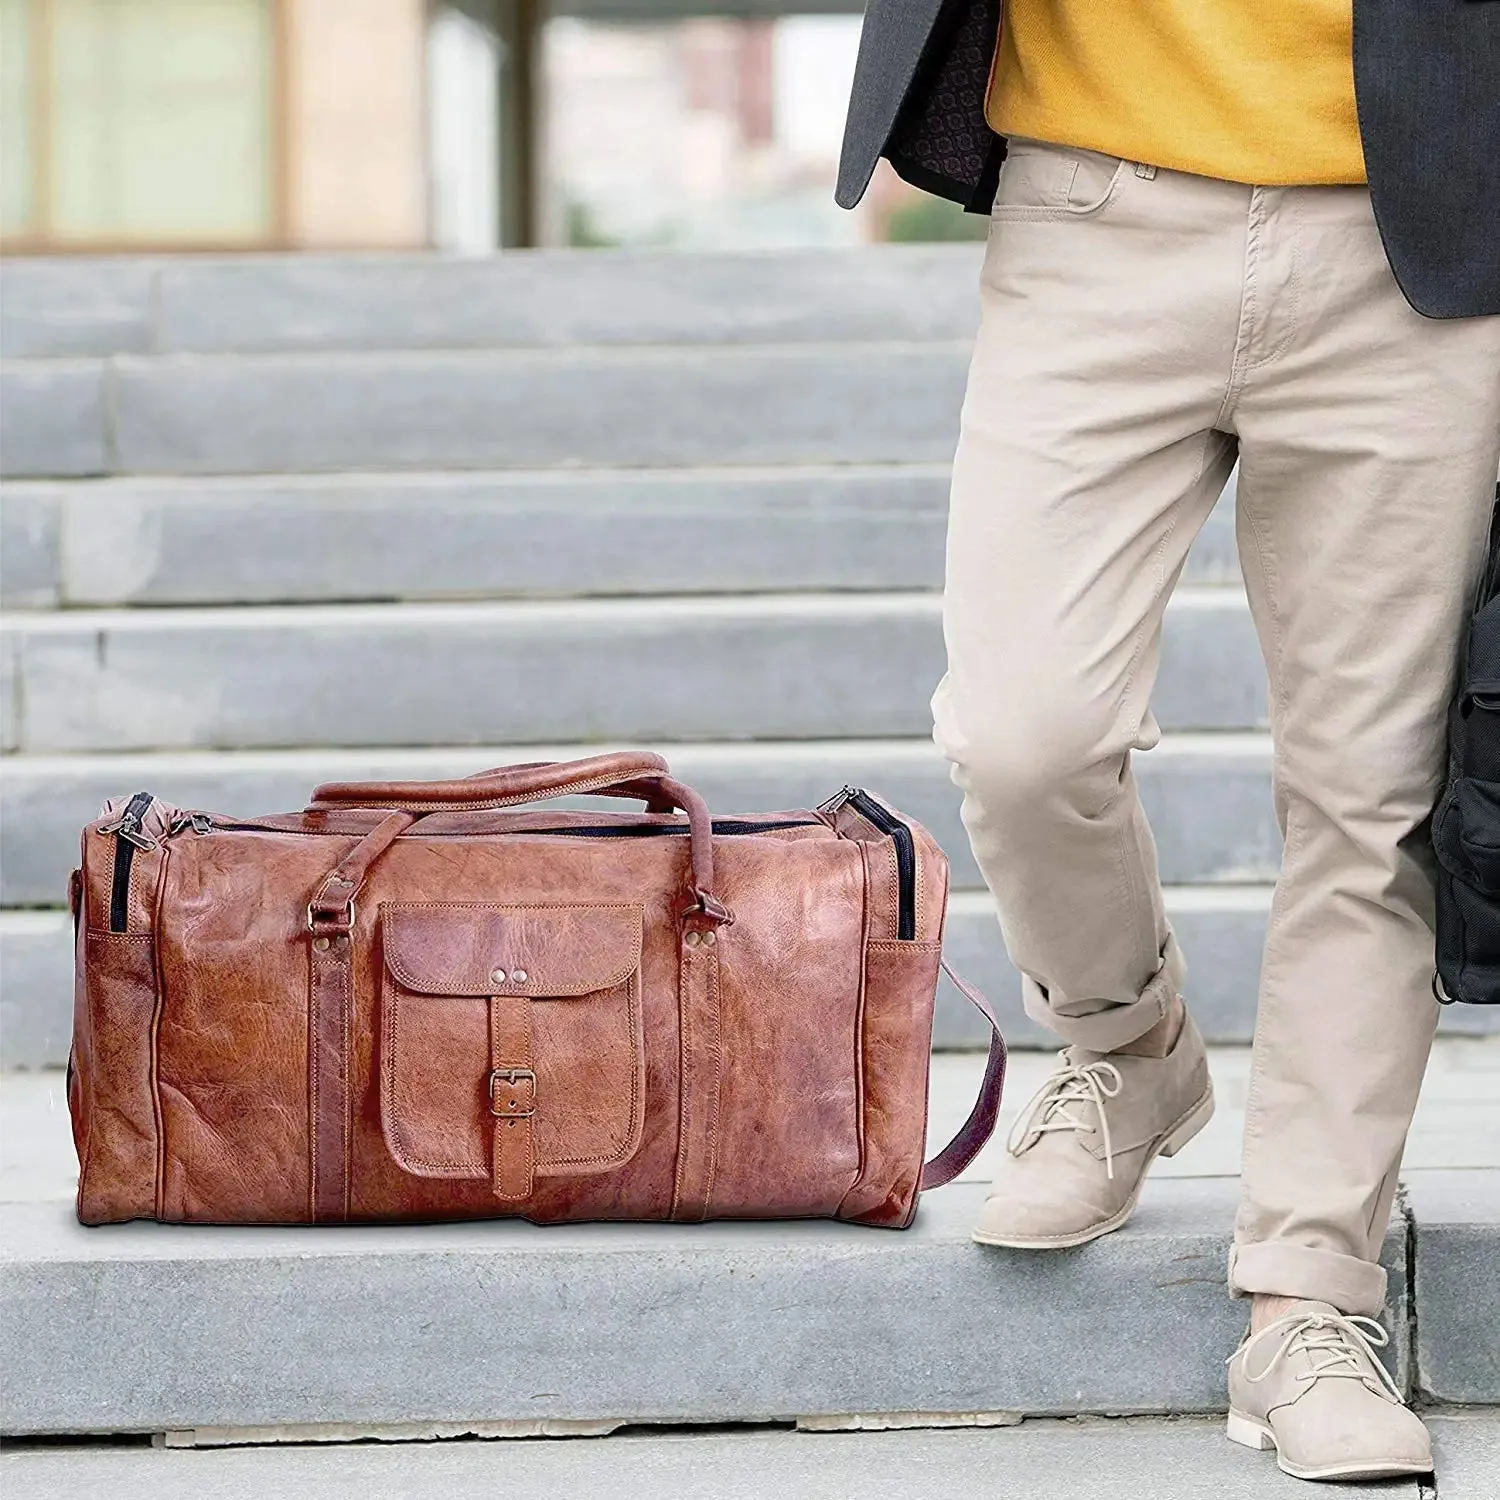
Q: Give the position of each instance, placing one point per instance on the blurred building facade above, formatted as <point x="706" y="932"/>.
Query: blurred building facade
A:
<point x="220" y="124"/>
<point x="160" y="125"/>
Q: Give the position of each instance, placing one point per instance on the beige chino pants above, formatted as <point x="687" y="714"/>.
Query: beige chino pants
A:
<point x="1140" y="328"/>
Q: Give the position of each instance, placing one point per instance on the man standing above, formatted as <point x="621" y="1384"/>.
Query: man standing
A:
<point x="1270" y="232"/>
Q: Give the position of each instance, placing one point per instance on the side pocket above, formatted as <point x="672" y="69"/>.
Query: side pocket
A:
<point x="112" y="1097"/>
<point x="1476" y="811"/>
<point x="900" y="986"/>
<point x="1052" y="184"/>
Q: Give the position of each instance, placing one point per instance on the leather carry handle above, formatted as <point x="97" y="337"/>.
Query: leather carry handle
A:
<point x="980" y="1125"/>
<point x="502" y="787"/>
<point x="636" y="774"/>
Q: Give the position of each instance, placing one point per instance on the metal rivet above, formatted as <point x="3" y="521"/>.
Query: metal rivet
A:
<point x="321" y="944"/>
<point x="518" y="976"/>
<point x="709" y="940"/>
<point x="692" y="939"/>
<point x="498" y="976"/>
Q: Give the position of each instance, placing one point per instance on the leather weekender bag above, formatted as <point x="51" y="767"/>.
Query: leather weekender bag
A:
<point x="425" y="1001"/>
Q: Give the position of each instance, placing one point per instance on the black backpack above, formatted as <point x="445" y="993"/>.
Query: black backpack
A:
<point x="1466" y="822"/>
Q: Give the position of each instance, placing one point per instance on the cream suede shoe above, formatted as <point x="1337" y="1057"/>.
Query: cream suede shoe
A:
<point x="1309" y="1386"/>
<point x="1079" y="1151"/>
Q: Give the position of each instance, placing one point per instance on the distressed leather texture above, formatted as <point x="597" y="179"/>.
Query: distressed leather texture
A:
<point x="430" y="1001"/>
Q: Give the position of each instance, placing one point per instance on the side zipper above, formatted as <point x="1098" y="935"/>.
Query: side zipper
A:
<point x="906" y="854"/>
<point x="128" y="838"/>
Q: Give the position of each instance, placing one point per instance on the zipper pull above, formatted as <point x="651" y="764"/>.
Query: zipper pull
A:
<point x="128" y="825"/>
<point x="835" y="803"/>
<point x="199" y="822"/>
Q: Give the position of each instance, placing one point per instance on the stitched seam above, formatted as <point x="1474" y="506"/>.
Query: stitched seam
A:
<point x="916" y="870"/>
<point x="571" y="789"/>
<point x="896" y="945"/>
<point x="158" y="1115"/>
<point x="1380" y="1192"/>
<point x="527" y="992"/>
<point x="1293" y="203"/>
<point x="632" y="1139"/>
<point x="1292" y="835"/>
<point x="88" y="1145"/>
<point x="860" y="1081"/>
<point x="686" y="1097"/>
<point x="1127" y="865"/>
<point x="418" y="906"/>
<point x="1248" y="307"/>
<point x="893" y="902"/>
<point x="346" y="1102"/>
<point x="433" y="987"/>
<point x="1037" y="213"/>
<point x="314" y="1012"/>
<point x="326" y="970"/>
<point x="712" y="966"/>
<point x="345" y="983"/>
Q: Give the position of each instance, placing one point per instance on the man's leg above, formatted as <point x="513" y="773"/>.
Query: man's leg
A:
<point x="1370" y="438"/>
<point x="1088" y="461"/>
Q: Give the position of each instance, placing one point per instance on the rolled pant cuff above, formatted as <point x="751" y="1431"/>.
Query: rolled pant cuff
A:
<point x="1281" y="1269"/>
<point x="1116" y="1025"/>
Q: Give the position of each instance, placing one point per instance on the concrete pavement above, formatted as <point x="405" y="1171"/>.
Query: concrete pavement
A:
<point x="1086" y="1459"/>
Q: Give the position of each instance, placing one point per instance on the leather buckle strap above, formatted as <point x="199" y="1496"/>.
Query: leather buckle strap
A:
<point x="512" y="1089"/>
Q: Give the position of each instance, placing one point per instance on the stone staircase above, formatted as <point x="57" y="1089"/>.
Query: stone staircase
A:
<point x="268" y="522"/>
<point x="272" y="521"/>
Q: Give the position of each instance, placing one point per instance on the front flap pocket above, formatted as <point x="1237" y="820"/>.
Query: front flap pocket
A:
<point x="511" y="1039"/>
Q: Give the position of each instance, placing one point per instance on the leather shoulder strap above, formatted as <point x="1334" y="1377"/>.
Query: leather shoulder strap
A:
<point x="980" y="1125"/>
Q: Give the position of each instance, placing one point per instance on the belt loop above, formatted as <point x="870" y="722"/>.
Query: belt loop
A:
<point x="1145" y="169"/>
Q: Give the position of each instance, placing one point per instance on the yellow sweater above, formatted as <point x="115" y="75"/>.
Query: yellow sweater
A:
<point x="1258" y="91"/>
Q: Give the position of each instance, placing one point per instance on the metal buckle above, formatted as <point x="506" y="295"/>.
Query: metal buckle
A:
<point x="512" y="1076"/>
<point x="338" y="922"/>
<point x="705" y="905"/>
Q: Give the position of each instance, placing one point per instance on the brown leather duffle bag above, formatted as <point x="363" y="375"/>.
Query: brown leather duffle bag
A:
<point x="424" y="1000"/>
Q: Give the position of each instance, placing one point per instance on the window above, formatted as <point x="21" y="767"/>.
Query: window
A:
<point x="139" y="122"/>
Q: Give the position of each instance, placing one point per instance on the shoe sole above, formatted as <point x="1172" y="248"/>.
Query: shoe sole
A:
<point x="1249" y="1433"/>
<point x="1176" y="1137"/>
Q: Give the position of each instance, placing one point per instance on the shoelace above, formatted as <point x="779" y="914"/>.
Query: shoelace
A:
<point x="1050" y="1108"/>
<point x="1342" y="1341"/>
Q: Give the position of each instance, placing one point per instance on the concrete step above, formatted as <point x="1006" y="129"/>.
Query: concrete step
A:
<point x="450" y="536"/>
<point x="1132" y="1458"/>
<point x="52" y="418"/>
<point x="1208" y="795"/>
<point x="252" y="414"/>
<point x="1458" y="1270"/>
<point x="255" y="304"/>
<point x="157" y="1328"/>
<point x="153" y="1328"/>
<point x="809" y="666"/>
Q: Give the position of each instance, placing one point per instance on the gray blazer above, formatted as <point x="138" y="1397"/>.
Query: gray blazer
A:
<point x="1426" y="79"/>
